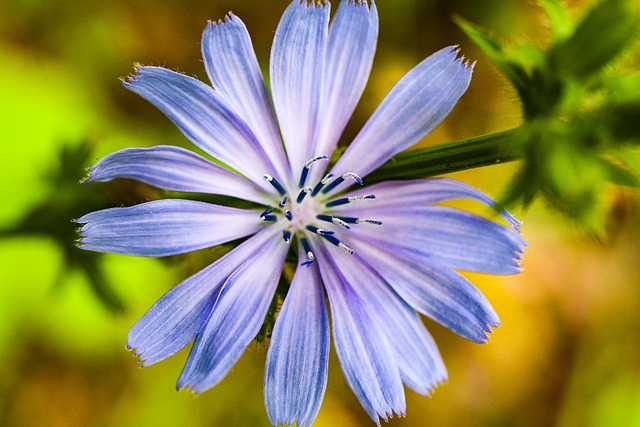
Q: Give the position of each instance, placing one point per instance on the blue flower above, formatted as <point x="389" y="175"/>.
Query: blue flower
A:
<point x="379" y="254"/>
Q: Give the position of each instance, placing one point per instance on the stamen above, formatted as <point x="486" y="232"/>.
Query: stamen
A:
<point x="271" y="218"/>
<point x="345" y="200"/>
<point x="352" y="220"/>
<point x="307" y="166"/>
<point x="319" y="231"/>
<point x="321" y="184"/>
<point x="283" y="202"/>
<point x="368" y="221"/>
<point x="275" y="184"/>
<point x="353" y="176"/>
<point x="340" y="180"/>
<point x="307" y="249"/>
<point x="333" y="219"/>
<point x="288" y="214"/>
<point x="303" y="193"/>
<point x="267" y="211"/>
<point x="286" y="236"/>
<point x="339" y="244"/>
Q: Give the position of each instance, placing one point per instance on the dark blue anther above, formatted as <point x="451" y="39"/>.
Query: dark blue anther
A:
<point x="303" y="193"/>
<point x="338" y="243"/>
<point x="275" y="184"/>
<point x="333" y="219"/>
<point x="307" y="166"/>
<point x="271" y="218"/>
<point x="319" y="231"/>
<point x="267" y="211"/>
<point x="340" y="180"/>
<point x="321" y="184"/>
<point x="346" y="200"/>
<point x="337" y="202"/>
<point x="286" y="236"/>
<point x="288" y="215"/>
<point x="332" y="239"/>
<point x="307" y="249"/>
<point x="349" y="219"/>
<point x="283" y="202"/>
<point x="333" y="184"/>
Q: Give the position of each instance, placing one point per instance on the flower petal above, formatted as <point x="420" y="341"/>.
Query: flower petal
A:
<point x="236" y="318"/>
<point x="421" y="366"/>
<point x="433" y="289"/>
<point x="352" y="43"/>
<point x="175" y="169"/>
<point x="455" y="238"/>
<point x="297" y="61"/>
<point x="202" y="115"/>
<point x="411" y="110"/>
<point x="298" y="357"/>
<point x="366" y="357"/>
<point x="426" y="192"/>
<point x="233" y="69"/>
<point x="173" y="321"/>
<point x="164" y="227"/>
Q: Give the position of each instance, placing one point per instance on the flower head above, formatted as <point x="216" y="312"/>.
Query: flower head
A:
<point x="379" y="254"/>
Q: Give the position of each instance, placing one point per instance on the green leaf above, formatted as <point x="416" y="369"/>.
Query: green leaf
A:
<point x="602" y="34"/>
<point x="493" y="48"/>
<point x="559" y="19"/>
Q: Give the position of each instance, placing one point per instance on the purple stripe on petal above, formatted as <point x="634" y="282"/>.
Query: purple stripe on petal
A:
<point x="232" y="66"/>
<point x="165" y="227"/>
<point x="236" y="317"/>
<point x="175" y="169"/>
<point x="365" y="355"/>
<point x="434" y="290"/>
<point x="455" y="238"/>
<point x="173" y="321"/>
<point x="415" y="352"/>
<point x="298" y="357"/>
<point x="297" y="63"/>
<point x="413" y="108"/>
<point x="426" y="192"/>
<point x="352" y="43"/>
<point x="204" y="118"/>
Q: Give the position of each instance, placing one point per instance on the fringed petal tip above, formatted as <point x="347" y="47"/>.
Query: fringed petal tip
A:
<point x="212" y="25"/>
<point x="139" y="355"/>
<point x="389" y="415"/>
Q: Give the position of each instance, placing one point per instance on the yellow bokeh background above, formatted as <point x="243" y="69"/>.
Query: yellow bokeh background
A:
<point x="567" y="352"/>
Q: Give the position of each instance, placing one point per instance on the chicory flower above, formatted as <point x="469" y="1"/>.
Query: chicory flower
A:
<point x="378" y="255"/>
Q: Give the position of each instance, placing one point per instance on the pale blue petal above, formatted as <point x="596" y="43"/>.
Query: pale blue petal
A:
<point x="433" y="289"/>
<point x="236" y="317"/>
<point x="426" y="192"/>
<point x="203" y="116"/>
<point x="298" y="357"/>
<point x="165" y="227"/>
<point x="413" y="108"/>
<point x="366" y="357"/>
<point x="352" y="43"/>
<point x="458" y="239"/>
<point x="233" y="69"/>
<point x="297" y="62"/>
<point x="175" y="169"/>
<point x="173" y="321"/>
<point x="419" y="361"/>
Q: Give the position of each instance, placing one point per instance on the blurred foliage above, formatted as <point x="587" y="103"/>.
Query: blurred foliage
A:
<point x="581" y="111"/>
<point x="64" y="199"/>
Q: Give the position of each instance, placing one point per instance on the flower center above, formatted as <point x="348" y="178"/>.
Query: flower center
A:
<point x="304" y="216"/>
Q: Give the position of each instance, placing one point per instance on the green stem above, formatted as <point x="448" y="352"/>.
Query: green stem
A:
<point x="485" y="150"/>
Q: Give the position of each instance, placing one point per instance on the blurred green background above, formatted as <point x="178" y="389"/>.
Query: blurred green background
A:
<point x="567" y="353"/>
